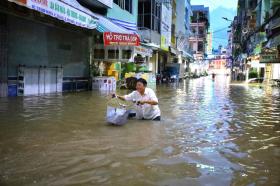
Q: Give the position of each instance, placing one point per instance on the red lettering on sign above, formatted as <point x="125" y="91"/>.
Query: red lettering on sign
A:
<point x="111" y="38"/>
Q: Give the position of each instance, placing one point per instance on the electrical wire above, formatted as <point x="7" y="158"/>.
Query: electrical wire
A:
<point x="219" y="30"/>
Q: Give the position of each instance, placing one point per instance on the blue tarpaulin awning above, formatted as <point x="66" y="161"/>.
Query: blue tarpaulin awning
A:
<point x="106" y="25"/>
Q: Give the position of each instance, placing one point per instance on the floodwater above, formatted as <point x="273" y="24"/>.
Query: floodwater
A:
<point x="212" y="133"/>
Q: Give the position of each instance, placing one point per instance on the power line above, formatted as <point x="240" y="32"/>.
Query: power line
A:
<point x="219" y="30"/>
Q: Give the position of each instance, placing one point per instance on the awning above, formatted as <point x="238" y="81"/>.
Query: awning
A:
<point x="69" y="11"/>
<point x="106" y="25"/>
<point x="273" y="42"/>
<point x="188" y="55"/>
<point x="174" y="50"/>
<point x="72" y="12"/>
<point x="125" y="24"/>
<point x="152" y="45"/>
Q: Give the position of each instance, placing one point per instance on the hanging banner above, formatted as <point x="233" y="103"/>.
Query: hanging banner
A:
<point x="112" y="38"/>
<point x="65" y="12"/>
<point x="166" y="14"/>
<point x="19" y="2"/>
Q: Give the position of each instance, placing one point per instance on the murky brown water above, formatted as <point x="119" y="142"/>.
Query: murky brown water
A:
<point x="212" y="133"/>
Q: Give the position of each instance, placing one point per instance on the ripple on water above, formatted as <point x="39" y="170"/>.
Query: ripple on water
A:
<point x="211" y="133"/>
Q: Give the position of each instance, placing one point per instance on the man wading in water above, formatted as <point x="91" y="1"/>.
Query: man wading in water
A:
<point x="146" y="99"/>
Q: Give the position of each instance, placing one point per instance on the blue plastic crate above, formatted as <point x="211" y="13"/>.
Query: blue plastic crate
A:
<point x="12" y="90"/>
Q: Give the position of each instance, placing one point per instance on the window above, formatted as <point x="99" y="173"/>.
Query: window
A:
<point x="200" y="46"/>
<point x="126" y="54"/>
<point x="201" y="31"/>
<point x="99" y="53"/>
<point x="113" y="54"/>
<point x="193" y="30"/>
<point x="98" y="39"/>
<point x="124" y="4"/>
<point x="149" y="15"/>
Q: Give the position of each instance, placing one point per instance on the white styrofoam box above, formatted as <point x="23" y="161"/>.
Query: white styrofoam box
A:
<point x="31" y="77"/>
<point x="40" y="80"/>
<point x="138" y="75"/>
<point x="113" y="83"/>
<point x="59" y="79"/>
<point x="104" y="86"/>
<point x="104" y="83"/>
<point x="95" y="84"/>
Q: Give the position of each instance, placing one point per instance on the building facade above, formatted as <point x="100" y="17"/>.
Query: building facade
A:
<point x="45" y="46"/>
<point x="198" y="39"/>
<point x="255" y="43"/>
<point x="50" y="46"/>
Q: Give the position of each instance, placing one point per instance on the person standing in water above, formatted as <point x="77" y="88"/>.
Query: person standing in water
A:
<point x="146" y="99"/>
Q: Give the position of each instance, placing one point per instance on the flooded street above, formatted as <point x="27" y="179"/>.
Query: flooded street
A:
<point x="211" y="133"/>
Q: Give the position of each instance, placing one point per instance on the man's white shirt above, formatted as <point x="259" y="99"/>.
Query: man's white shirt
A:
<point x="145" y="111"/>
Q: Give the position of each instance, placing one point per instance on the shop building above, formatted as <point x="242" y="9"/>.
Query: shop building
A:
<point x="149" y="29"/>
<point x="256" y="39"/>
<point x="49" y="46"/>
<point x="45" y="46"/>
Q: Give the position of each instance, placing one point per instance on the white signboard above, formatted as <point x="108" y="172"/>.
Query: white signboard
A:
<point x="166" y="14"/>
<point x="143" y="51"/>
<point x="65" y="12"/>
<point x="108" y="3"/>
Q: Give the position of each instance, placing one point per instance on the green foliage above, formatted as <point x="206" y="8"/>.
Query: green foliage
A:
<point x="253" y="73"/>
<point x="94" y="69"/>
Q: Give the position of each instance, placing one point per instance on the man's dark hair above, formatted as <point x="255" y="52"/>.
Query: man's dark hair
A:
<point x="141" y="80"/>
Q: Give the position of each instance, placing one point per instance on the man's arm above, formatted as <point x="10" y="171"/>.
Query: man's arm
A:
<point x="128" y="97"/>
<point x="151" y="102"/>
<point x="121" y="97"/>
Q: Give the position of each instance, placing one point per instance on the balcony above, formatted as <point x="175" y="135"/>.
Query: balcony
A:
<point x="149" y="35"/>
<point x="274" y="23"/>
<point x="200" y="24"/>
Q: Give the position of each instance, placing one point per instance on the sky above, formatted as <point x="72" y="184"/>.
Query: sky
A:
<point x="213" y="4"/>
<point x="219" y="9"/>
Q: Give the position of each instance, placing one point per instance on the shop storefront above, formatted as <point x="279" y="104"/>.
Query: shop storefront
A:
<point x="254" y="68"/>
<point x="47" y="46"/>
<point x="270" y="58"/>
<point x="120" y="55"/>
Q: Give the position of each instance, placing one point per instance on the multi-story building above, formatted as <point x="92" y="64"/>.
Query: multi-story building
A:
<point x="270" y="54"/>
<point x="179" y="49"/>
<point x="183" y="31"/>
<point x="164" y="25"/>
<point x="252" y="38"/>
<point x="198" y="39"/>
<point x="188" y="52"/>
<point x="154" y="27"/>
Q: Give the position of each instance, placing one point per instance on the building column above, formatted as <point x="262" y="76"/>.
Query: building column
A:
<point x="247" y="74"/>
<point x="3" y="55"/>
<point x="157" y="63"/>
<point x="267" y="74"/>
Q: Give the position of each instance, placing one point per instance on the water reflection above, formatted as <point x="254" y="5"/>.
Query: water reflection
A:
<point x="212" y="133"/>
